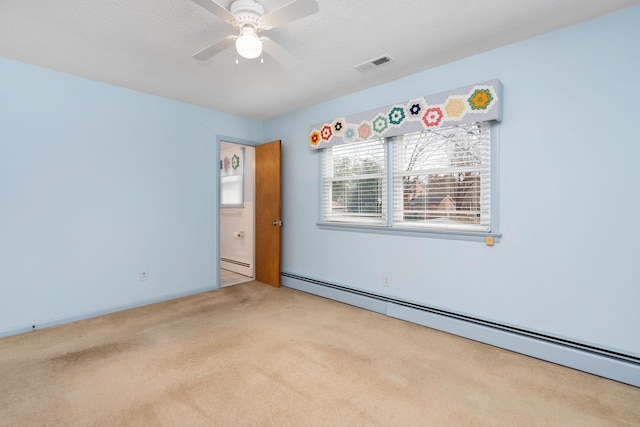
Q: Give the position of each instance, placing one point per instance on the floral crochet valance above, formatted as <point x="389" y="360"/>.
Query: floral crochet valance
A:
<point x="475" y="103"/>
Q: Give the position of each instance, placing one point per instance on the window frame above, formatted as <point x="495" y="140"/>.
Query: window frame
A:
<point x="390" y="229"/>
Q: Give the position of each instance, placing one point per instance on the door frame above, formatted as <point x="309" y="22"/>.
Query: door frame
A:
<point x="217" y="246"/>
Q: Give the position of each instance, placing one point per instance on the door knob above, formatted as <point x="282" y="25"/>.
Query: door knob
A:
<point x="277" y="223"/>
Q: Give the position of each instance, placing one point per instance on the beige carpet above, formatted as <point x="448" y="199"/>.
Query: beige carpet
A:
<point x="254" y="355"/>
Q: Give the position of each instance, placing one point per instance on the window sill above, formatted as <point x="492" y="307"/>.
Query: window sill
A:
<point x="473" y="236"/>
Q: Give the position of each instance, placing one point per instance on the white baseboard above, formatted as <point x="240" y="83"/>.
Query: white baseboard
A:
<point x="564" y="354"/>
<point x="69" y="319"/>
<point x="239" y="267"/>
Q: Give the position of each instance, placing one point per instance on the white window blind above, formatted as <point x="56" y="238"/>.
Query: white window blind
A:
<point x="442" y="178"/>
<point x="354" y="183"/>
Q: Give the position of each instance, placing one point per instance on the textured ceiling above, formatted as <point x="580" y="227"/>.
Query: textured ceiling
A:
<point x="147" y="45"/>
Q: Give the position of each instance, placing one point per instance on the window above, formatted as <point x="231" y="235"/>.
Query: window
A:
<point x="440" y="181"/>
<point x="355" y="184"/>
<point x="441" y="178"/>
<point x="232" y="178"/>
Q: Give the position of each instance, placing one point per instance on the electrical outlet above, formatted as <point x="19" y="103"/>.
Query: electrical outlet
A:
<point x="385" y="281"/>
<point x="144" y="275"/>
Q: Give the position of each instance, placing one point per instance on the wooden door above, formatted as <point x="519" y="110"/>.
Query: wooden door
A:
<point x="268" y="174"/>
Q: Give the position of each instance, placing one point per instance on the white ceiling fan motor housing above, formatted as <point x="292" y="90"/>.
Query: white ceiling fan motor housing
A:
<point x="247" y="12"/>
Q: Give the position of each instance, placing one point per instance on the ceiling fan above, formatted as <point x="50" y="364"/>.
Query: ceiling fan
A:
<point x="249" y="19"/>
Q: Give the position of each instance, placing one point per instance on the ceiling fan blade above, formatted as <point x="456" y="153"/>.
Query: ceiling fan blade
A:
<point x="275" y="51"/>
<point x="215" y="48"/>
<point x="216" y="9"/>
<point x="289" y="12"/>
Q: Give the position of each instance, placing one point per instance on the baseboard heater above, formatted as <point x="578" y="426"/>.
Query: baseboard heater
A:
<point x="596" y="360"/>
<point x="237" y="266"/>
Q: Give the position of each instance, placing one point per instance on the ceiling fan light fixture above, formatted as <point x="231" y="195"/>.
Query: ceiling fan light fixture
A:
<point x="248" y="45"/>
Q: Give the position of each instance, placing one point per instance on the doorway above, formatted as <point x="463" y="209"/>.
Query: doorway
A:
<point x="237" y="213"/>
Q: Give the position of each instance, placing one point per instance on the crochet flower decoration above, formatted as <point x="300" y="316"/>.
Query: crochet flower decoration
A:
<point x="396" y="116"/>
<point x="326" y="132"/>
<point x="314" y="138"/>
<point x="480" y="99"/>
<point x="433" y="117"/>
<point x="364" y="130"/>
<point x="380" y="124"/>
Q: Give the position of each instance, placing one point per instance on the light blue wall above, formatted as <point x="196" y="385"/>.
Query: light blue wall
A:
<point x="568" y="261"/>
<point x="98" y="183"/>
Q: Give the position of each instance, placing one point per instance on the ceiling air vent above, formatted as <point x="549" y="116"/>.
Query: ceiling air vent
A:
<point x="373" y="63"/>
